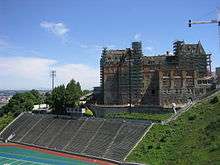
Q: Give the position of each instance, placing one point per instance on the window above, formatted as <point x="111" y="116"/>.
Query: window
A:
<point x="189" y="73"/>
<point x="166" y="74"/>
<point x="189" y="82"/>
<point x="177" y="73"/>
<point x="166" y="82"/>
<point x="153" y="92"/>
<point x="177" y="82"/>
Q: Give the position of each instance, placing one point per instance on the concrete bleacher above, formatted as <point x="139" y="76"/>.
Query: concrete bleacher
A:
<point x="123" y="143"/>
<point x="66" y="134"/>
<point x="12" y="127"/>
<point x="83" y="136"/>
<point x="104" y="138"/>
<point x="34" y="133"/>
<point x="50" y="132"/>
<point x="24" y="128"/>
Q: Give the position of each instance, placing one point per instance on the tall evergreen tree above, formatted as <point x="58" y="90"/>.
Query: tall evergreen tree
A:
<point x="58" y="100"/>
<point x="73" y="93"/>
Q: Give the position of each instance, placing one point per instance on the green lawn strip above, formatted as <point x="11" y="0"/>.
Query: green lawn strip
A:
<point x="194" y="138"/>
<point x="140" y="116"/>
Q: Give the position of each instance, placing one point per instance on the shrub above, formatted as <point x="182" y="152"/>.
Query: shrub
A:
<point x="88" y="112"/>
<point x="150" y="147"/>
<point x="192" y="117"/>
<point x="214" y="100"/>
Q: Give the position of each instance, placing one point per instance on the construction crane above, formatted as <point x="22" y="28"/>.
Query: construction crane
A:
<point x="204" y="22"/>
<point x="216" y="21"/>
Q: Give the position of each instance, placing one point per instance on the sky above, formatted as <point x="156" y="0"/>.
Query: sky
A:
<point x="37" y="36"/>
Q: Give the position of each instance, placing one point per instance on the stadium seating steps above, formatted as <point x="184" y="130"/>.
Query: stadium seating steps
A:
<point x="104" y="138"/>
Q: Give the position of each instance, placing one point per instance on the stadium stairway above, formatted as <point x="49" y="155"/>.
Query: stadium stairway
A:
<point x="96" y="137"/>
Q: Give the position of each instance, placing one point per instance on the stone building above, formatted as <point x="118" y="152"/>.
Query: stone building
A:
<point x="127" y="76"/>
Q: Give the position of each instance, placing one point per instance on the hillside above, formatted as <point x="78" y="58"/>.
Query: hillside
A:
<point x="156" y="117"/>
<point x="5" y="120"/>
<point x="194" y="138"/>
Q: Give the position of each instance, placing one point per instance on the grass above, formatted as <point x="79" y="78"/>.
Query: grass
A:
<point x="5" y="120"/>
<point x="140" y="116"/>
<point x="194" y="138"/>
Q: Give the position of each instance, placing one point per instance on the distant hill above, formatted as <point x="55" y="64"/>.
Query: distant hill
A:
<point x="194" y="138"/>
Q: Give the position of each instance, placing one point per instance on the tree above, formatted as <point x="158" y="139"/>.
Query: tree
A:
<point x="86" y="91"/>
<point x="88" y="112"/>
<point x="38" y="97"/>
<point x="58" y="99"/>
<point x="73" y="94"/>
<point x="61" y="97"/>
<point x="20" y="102"/>
<point x="48" y="99"/>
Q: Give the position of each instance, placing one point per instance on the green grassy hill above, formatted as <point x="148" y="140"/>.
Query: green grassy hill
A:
<point x="194" y="138"/>
<point x="139" y="116"/>
<point x="5" y="120"/>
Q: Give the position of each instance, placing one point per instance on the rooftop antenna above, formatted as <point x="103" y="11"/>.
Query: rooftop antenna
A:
<point x="53" y="75"/>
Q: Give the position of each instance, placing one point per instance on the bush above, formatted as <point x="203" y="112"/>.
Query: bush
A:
<point x="88" y="112"/>
<point x="150" y="147"/>
<point x="5" y="120"/>
<point x="214" y="100"/>
<point x="192" y="117"/>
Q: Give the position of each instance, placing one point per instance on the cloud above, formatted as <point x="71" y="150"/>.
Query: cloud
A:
<point x="97" y="47"/>
<point x="3" y="43"/>
<point x="59" y="29"/>
<point x="33" y="72"/>
<point x="149" y="48"/>
<point x="87" y="76"/>
<point x="84" y="46"/>
<point x="137" y="36"/>
<point x="110" y="46"/>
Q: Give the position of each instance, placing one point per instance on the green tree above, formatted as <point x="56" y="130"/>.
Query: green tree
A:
<point x="58" y="100"/>
<point x="38" y="97"/>
<point x="61" y="98"/>
<point x="88" y="112"/>
<point x="86" y="91"/>
<point x="48" y="99"/>
<point x="20" y="102"/>
<point x="5" y="120"/>
<point x="73" y="94"/>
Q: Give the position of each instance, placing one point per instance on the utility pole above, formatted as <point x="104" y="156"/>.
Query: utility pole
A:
<point x="53" y="75"/>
